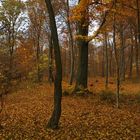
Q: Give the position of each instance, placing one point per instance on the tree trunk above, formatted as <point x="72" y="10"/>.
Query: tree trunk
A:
<point x="71" y="46"/>
<point x="110" y="60"/>
<point x="122" y="57"/>
<point x="106" y="64"/>
<point x="138" y="36"/>
<point x="82" y="73"/>
<point x="54" y="120"/>
<point x="131" y="56"/>
<point x="136" y="56"/>
<point x="116" y="57"/>
<point x="38" y="59"/>
<point x="138" y="21"/>
<point x="50" y="77"/>
<point x="11" y="43"/>
<point x="103" y="61"/>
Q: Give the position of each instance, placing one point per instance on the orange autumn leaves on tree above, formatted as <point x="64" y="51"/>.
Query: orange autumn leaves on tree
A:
<point x="79" y="10"/>
<point x="80" y="14"/>
<point x="25" y="56"/>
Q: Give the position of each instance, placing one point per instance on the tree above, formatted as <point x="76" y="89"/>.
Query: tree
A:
<point x="11" y="19"/>
<point x="106" y="56"/>
<point x="50" y="77"/>
<point x="138" y="36"/>
<point x="54" y="120"/>
<point x="82" y="44"/>
<point x="116" y="56"/>
<point x="71" y="43"/>
<point x="36" y="13"/>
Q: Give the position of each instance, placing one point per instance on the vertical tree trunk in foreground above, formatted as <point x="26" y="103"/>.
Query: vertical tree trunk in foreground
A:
<point x="54" y="120"/>
<point x="82" y="73"/>
<point x="50" y="77"/>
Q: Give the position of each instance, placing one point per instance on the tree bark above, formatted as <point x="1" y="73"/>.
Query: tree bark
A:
<point x="54" y="120"/>
<point x="38" y="58"/>
<point x="106" y="64"/>
<point x="50" y="77"/>
<point x="131" y="55"/>
<point x="110" y="59"/>
<point x="116" y="57"/>
<point x="82" y="73"/>
<point x="136" y="56"/>
<point x="71" y="46"/>
<point x="122" y="56"/>
<point x="103" y="61"/>
<point x="138" y="36"/>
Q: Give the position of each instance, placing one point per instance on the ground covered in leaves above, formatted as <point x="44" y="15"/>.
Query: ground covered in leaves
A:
<point x="90" y="117"/>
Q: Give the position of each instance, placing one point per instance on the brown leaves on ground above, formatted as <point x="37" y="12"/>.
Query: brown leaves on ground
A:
<point x="28" y="110"/>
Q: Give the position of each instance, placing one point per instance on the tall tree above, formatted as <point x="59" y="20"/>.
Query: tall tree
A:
<point x="11" y="19"/>
<point x="71" y="42"/>
<point x="116" y="56"/>
<point x="54" y="120"/>
<point x="138" y="32"/>
<point x="106" y="57"/>
<point x="82" y="44"/>
<point x="36" y="13"/>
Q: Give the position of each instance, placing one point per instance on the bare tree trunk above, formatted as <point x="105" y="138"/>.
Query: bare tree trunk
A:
<point x="136" y="56"/>
<point x="138" y="21"/>
<point x="38" y="59"/>
<point x="103" y="61"/>
<point x="11" y="44"/>
<point x="116" y="57"/>
<point x="71" y="41"/>
<point x="106" y="64"/>
<point x="110" y="59"/>
<point x="122" y="57"/>
<point x="54" y="120"/>
<point x="138" y="36"/>
<point x="131" y="55"/>
<point x="50" y="77"/>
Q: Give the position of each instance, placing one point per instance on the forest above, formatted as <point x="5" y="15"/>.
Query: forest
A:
<point x="70" y="69"/>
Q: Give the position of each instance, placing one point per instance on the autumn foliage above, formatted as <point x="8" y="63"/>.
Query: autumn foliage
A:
<point x="70" y="69"/>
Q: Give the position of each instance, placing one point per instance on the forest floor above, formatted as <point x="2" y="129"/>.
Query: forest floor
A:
<point x="93" y="117"/>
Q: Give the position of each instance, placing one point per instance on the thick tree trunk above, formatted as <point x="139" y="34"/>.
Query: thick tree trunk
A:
<point x="54" y="120"/>
<point x="82" y="73"/>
